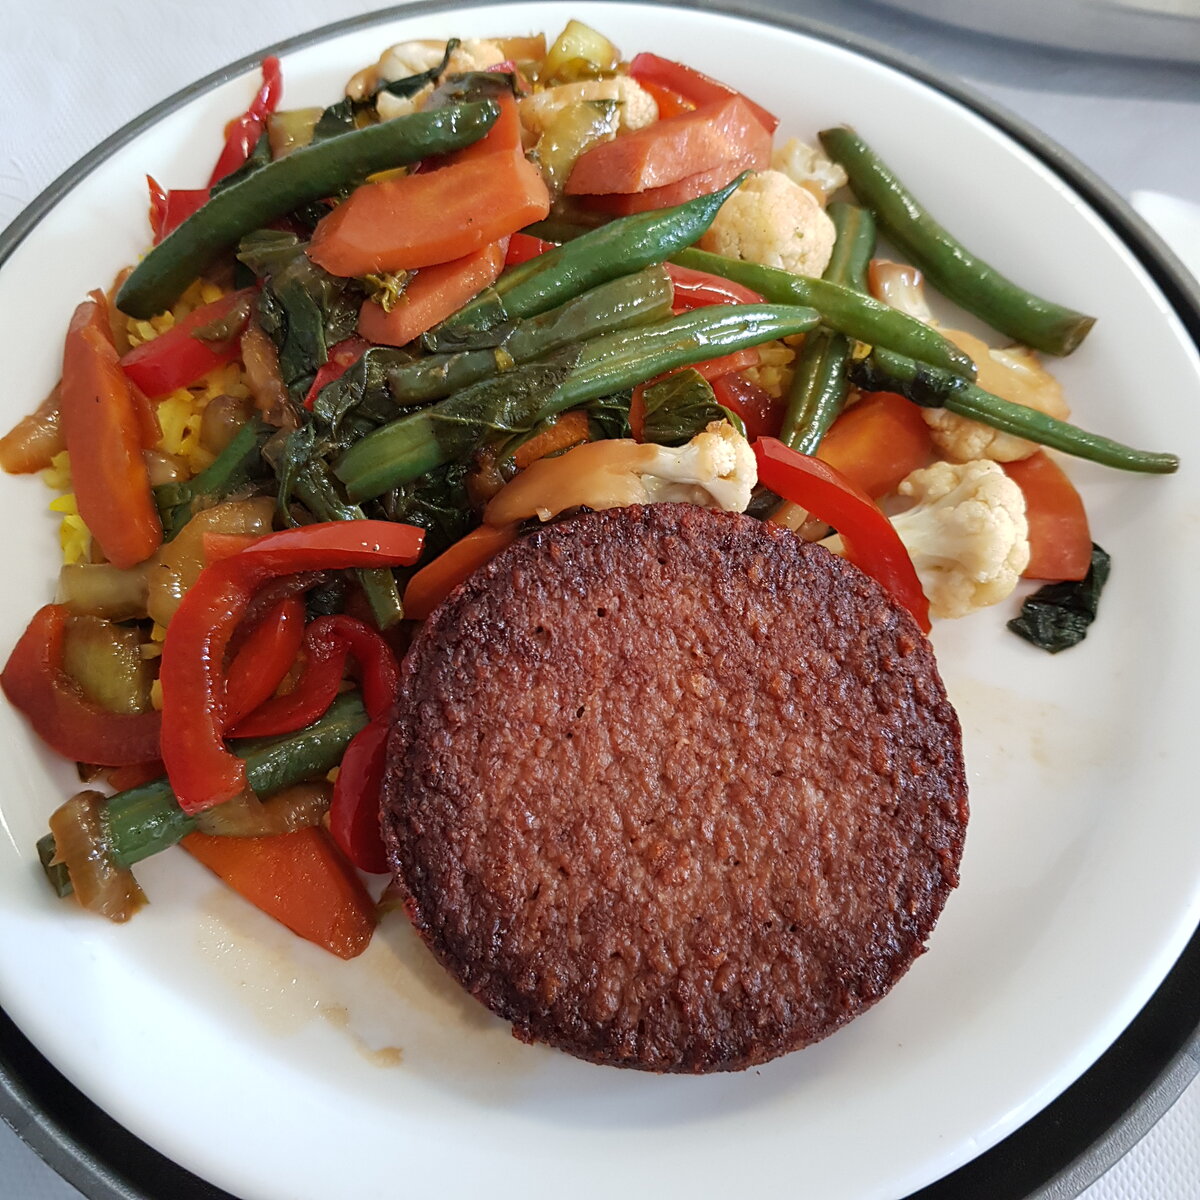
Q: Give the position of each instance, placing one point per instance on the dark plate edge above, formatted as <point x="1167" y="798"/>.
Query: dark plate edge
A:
<point x="1053" y="1156"/>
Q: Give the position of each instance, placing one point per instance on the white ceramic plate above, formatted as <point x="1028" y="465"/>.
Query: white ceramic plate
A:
<point x="276" y="1072"/>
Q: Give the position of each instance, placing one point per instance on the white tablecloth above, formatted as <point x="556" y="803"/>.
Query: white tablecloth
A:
<point x="1134" y="123"/>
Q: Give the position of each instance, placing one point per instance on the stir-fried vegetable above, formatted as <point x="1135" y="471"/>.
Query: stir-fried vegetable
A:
<point x="953" y="269"/>
<point x="885" y="371"/>
<point x="320" y="170"/>
<point x="842" y="308"/>
<point x="455" y="427"/>
<point x="820" y="387"/>
<point x="368" y="374"/>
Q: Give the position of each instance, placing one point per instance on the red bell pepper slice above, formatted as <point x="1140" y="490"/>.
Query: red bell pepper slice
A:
<point x="524" y="246"/>
<point x="169" y="209"/>
<point x="354" y="809"/>
<point x="699" y="289"/>
<point x="692" y="85"/>
<point x="328" y="642"/>
<point x="243" y="134"/>
<point x="178" y="357"/>
<point x="35" y="682"/>
<point x="342" y="356"/>
<point x="870" y="541"/>
<point x="105" y="430"/>
<point x="757" y="409"/>
<point x="265" y="657"/>
<point x="201" y="770"/>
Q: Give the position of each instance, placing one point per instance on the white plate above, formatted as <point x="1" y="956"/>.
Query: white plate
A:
<point x="276" y="1072"/>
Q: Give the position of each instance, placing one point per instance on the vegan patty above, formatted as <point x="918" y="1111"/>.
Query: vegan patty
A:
<point x="672" y="789"/>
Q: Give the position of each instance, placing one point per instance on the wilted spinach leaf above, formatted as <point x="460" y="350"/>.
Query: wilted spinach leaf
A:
<point x="608" y="417"/>
<point x="438" y="503"/>
<point x="1057" y="616"/>
<point x="361" y="392"/>
<point x="303" y="309"/>
<point x="678" y="408"/>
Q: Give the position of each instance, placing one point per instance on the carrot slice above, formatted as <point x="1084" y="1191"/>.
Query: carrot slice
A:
<point x="432" y="296"/>
<point x="504" y="137"/>
<point x="432" y="584"/>
<point x="105" y="426"/>
<point x="569" y="430"/>
<point x="420" y="220"/>
<point x="877" y="442"/>
<point x="1060" y="541"/>
<point x="301" y="879"/>
<point x="668" y="151"/>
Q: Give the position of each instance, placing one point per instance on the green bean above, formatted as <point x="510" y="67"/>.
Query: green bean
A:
<point x="231" y="470"/>
<point x="622" y="303"/>
<point x="928" y="386"/>
<point x="452" y="429"/>
<point x="951" y="267"/>
<point x="842" y="309"/>
<point x="318" y="494"/>
<point x="618" y="248"/>
<point x="147" y="819"/>
<point x="278" y="188"/>
<point x="819" y="386"/>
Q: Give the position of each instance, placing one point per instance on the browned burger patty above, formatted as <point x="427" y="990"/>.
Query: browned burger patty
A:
<point x="672" y="789"/>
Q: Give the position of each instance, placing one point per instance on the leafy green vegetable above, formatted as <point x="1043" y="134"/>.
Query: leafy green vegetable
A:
<point x="1057" y="616"/>
<point x="608" y="417"/>
<point x="471" y="85"/>
<point x="410" y="85"/>
<point x="438" y="503"/>
<point x="337" y="119"/>
<point x="235" y="468"/>
<point x="303" y="309"/>
<point x="360" y="397"/>
<point x="679" y="407"/>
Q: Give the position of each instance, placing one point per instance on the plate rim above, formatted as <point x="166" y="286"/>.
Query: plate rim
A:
<point x="80" y="1159"/>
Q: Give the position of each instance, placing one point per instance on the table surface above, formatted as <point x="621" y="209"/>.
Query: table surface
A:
<point x="1132" y="122"/>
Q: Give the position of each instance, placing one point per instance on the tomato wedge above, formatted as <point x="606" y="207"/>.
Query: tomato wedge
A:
<point x="1060" y="541"/>
<point x="877" y="442"/>
<point x="666" y="152"/>
<point x="687" y="85"/>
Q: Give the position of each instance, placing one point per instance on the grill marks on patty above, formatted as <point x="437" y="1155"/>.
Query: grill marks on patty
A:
<point x="672" y="789"/>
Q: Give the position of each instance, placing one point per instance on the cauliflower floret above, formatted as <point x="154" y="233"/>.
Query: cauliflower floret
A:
<point x="967" y="534"/>
<point x="1014" y="373"/>
<point x="716" y="469"/>
<point x="411" y="58"/>
<point x="810" y="168"/>
<point x="774" y="221"/>
<point x="638" y="108"/>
